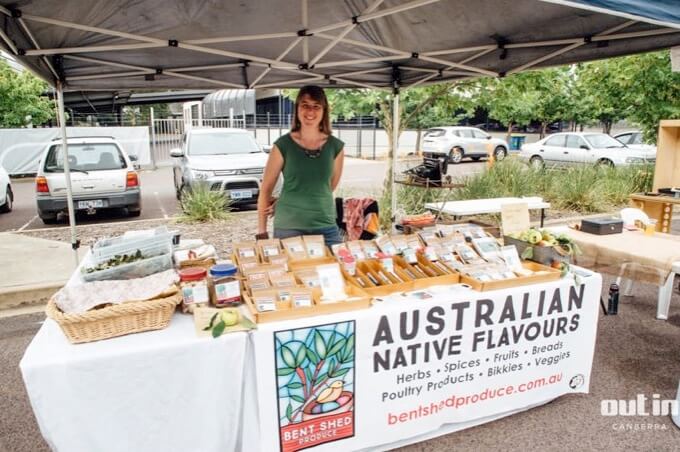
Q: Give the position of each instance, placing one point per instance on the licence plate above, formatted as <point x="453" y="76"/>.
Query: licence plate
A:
<point x="241" y="194"/>
<point x="91" y="204"/>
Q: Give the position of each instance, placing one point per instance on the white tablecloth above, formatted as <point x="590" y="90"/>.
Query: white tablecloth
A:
<point x="164" y="390"/>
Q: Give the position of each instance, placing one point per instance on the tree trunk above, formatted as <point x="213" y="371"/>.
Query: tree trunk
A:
<point x="509" y="133"/>
<point x="544" y="129"/>
<point x="418" y="134"/>
<point x="607" y="127"/>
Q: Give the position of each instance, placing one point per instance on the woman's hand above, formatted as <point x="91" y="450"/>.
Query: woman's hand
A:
<point x="269" y="211"/>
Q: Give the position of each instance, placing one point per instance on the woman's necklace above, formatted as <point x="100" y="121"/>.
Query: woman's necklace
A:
<point x="311" y="153"/>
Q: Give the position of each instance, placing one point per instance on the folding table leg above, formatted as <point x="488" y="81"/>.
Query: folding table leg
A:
<point x="665" y="293"/>
<point x="542" y="216"/>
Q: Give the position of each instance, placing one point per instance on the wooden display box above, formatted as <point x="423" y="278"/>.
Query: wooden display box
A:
<point x="411" y="277"/>
<point x="286" y="312"/>
<point x="545" y="255"/>
<point x="667" y="168"/>
<point x="483" y="286"/>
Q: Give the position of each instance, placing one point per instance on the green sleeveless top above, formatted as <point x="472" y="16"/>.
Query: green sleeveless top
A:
<point x="306" y="200"/>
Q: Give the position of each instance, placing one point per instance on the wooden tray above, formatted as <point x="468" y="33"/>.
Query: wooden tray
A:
<point x="483" y="286"/>
<point x="284" y="312"/>
<point x="440" y="276"/>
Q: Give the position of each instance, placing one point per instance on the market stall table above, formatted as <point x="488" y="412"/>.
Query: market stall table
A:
<point x="410" y="368"/>
<point x="484" y="206"/>
<point x="165" y="390"/>
<point x="633" y="256"/>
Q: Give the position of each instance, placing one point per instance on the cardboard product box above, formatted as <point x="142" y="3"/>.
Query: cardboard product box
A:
<point x="602" y="226"/>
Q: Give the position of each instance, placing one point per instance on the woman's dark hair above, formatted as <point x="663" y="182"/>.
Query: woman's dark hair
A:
<point x="316" y="94"/>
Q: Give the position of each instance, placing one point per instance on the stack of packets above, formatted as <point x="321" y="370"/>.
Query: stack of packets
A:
<point x="471" y="251"/>
<point x="272" y="285"/>
<point x="466" y="249"/>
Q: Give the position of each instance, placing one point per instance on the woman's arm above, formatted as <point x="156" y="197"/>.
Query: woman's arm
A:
<point x="271" y="174"/>
<point x="337" y="169"/>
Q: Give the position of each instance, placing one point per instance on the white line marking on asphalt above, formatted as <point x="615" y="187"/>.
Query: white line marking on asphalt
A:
<point x="29" y="222"/>
<point x="158" y="198"/>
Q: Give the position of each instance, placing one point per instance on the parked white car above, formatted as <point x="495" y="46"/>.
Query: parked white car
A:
<point x="562" y="149"/>
<point x="103" y="176"/>
<point x="228" y="160"/>
<point x="633" y="140"/>
<point x="458" y="142"/>
<point x="6" y="193"/>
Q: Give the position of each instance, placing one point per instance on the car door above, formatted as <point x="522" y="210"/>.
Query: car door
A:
<point x="553" y="150"/>
<point x="435" y="140"/>
<point x="467" y="141"/>
<point x="481" y="142"/>
<point x="577" y="151"/>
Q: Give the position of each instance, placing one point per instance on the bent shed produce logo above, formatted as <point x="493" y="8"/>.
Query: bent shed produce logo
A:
<point x="315" y="385"/>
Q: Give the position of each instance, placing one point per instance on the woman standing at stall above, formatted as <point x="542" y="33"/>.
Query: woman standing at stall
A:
<point x="311" y="161"/>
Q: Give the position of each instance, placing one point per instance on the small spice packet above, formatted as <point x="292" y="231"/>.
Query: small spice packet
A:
<point x="281" y="260"/>
<point x="315" y="245"/>
<point x="410" y="255"/>
<point x="431" y="253"/>
<point x="400" y="242"/>
<point x="301" y="297"/>
<point x="295" y="247"/>
<point x="386" y="246"/>
<point x="357" y="250"/>
<point x="308" y="278"/>
<point x="264" y="300"/>
<point x="269" y="248"/>
<point x="370" y="248"/>
<point x="281" y="281"/>
<point x="413" y="241"/>
<point x="339" y="248"/>
<point x="331" y="282"/>
<point x="245" y="250"/>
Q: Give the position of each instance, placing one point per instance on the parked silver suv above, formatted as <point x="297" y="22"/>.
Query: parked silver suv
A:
<point x="228" y="160"/>
<point x="460" y="142"/>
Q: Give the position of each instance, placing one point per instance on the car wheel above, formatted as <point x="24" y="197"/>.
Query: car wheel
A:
<point x="536" y="162"/>
<point x="9" y="201"/>
<point x="456" y="155"/>
<point x="605" y="163"/>
<point x="134" y="210"/>
<point x="500" y="153"/>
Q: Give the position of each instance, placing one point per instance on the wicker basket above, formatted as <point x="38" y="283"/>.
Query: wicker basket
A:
<point x="116" y="320"/>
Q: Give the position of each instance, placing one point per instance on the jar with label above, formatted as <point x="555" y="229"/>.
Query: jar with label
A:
<point x="194" y="285"/>
<point x="225" y="287"/>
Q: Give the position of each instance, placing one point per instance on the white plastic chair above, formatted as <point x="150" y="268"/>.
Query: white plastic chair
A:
<point x="629" y="217"/>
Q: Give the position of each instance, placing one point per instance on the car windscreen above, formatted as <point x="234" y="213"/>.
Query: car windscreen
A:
<point x="85" y="157"/>
<point x="603" y="141"/>
<point x="219" y="143"/>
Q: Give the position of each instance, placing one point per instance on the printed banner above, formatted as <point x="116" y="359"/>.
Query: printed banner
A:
<point x="315" y="381"/>
<point x="410" y="366"/>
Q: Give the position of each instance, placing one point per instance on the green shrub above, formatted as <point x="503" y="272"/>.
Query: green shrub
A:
<point x="579" y="189"/>
<point x="201" y="204"/>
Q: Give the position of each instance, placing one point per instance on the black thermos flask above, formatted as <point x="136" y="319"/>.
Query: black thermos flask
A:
<point x="613" y="307"/>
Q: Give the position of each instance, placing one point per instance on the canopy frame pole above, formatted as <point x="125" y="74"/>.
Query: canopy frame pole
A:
<point x="570" y="47"/>
<point x="30" y="36"/>
<point x="395" y="141"/>
<point x="373" y="15"/>
<point x="75" y="243"/>
<point x="403" y="56"/>
<point x="305" y="25"/>
<point x="301" y="80"/>
<point x="342" y="34"/>
<point x="283" y="54"/>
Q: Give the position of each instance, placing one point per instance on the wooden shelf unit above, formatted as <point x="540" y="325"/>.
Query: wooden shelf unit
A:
<point x="666" y="175"/>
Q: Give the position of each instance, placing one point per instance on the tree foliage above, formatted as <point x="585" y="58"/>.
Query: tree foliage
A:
<point x="21" y="100"/>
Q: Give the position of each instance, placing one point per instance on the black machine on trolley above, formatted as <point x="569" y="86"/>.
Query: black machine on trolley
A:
<point x="431" y="172"/>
